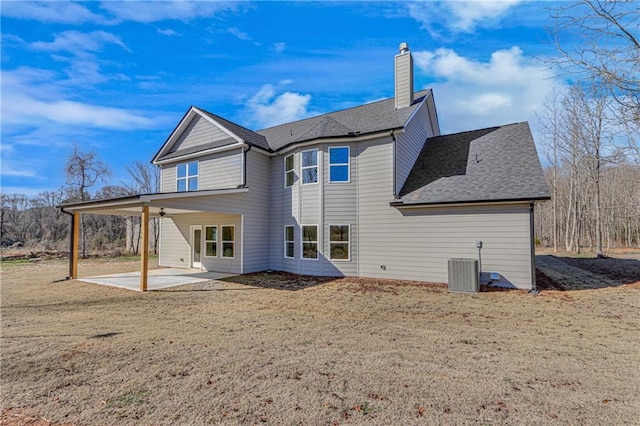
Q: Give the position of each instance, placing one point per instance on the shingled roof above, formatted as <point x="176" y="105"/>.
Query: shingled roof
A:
<point x="368" y="118"/>
<point x="493" y="164"/>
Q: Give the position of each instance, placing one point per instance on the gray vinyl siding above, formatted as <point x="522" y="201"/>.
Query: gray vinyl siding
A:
<point x="340" y="208"/>
<point x="250" y="210"/>
<point x="199" y="132"/>
<point x="416" y="244"/>
<point x="221" y="170"/>
<point x="410" y="142"/>
<point x="175" y="250"/>
<point x="322" y="204"/>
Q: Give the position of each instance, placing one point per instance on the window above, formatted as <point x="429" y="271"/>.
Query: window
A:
<point x="339" y="242"/>
<point x="187" y="176"/>
<point x="228" y="241"/>
<point x="309" y="242"/>
<point x="289" y="173"/>
<point x="211" y="241"/>
<point x="289" y="242"/>
<point x="339" y="164"/>
<point x="309" y="166"/>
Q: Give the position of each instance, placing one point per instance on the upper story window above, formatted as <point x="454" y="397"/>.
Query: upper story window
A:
<point x="339" y="164"/>
<point x="309" y="167"/>
<point x="187" y="176"/>
<point x="289" y="172"/>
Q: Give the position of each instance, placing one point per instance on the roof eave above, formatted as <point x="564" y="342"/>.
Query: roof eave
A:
<point x="346" y="138"/>
<point x="402" y="204"/>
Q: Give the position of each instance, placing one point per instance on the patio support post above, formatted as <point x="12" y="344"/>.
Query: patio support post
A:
<point x="75" y="245"/>
<point x="144" y="243"/>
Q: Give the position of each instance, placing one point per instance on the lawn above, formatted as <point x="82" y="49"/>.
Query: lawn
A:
<point x="275" y="349"/>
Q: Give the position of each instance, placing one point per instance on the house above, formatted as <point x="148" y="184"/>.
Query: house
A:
<point x="372" y="191"/>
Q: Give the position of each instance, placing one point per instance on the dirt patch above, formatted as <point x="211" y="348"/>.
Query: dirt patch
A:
<point x="570" y="273"/>
<point x="346" y="351"/>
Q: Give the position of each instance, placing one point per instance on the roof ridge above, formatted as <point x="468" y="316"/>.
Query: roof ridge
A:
<point x="342" y="110"/>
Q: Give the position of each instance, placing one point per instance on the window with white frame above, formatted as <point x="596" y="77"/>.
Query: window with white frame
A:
<point x="228" y="240"/>
<point x="339" y="164"/>
<point x="289" y="171"/>
<point x="339" y="242"/>
<point x="289" y="242"/>
<point x="309" y="241"/>
<point x="309" y="166"/>
<point x="187" y="176"/>
<point x="211" y="241"/>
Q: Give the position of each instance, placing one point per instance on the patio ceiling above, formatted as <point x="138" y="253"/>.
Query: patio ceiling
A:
<point x="132" y="205"/>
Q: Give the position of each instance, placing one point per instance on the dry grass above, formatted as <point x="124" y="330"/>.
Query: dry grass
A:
<point x="348" y="351"/>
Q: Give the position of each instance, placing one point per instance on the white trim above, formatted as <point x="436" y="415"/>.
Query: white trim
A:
<point x="222" y="241"/>
<point x="218" y="125"/>
<point x="348" y="242"/>
<point x="317" y="242"/>
<point x="293" y="170"/>
<point x="348" y="139"/>
<point x="210" y="241"/>
<point x="289" y="241"/>
<point x="317" y="166"/>
<point x="192" y="263"/>
<point x="187" y="176"/>
<point x="241" y="244"/>
<point x="424" y="101"/>
<point x="461" y="204"/>
<point x="200" y="153"/>
<point x="348" y="164"/>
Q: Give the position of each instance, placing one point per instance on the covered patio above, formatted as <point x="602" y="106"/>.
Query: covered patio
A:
<point x="145" y="206"/>
<point x="157" y="279"/>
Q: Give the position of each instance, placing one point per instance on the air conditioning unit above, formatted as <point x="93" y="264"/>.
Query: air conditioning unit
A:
<point x="464" y="275"/>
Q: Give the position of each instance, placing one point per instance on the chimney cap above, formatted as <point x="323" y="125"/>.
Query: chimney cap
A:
<point x="404" y="47"/>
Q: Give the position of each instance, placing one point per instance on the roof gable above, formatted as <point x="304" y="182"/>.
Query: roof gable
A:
<point x="201" y="131"/>
<point x="494" y="164"/>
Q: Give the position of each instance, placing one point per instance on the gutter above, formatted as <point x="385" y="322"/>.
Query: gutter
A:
<point x="244" y="166"/>
<point x="71" y="237"/>
<point x="402" y="204"/>
<point x="395" y="192"/>
<point x="534" y="288"/>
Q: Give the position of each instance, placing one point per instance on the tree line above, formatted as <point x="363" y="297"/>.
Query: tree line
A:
<point x="35" y="222"/>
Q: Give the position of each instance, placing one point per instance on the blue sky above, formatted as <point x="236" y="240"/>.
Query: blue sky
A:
<point x="116" y="77"/>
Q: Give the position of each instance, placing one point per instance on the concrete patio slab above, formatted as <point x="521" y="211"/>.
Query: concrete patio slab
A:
<point x="157" y="278"/>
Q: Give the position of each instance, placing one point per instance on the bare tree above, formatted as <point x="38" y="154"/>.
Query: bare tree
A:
<point x="146" y="180"/>
<point x="608" y="48"/>
<point x="83" y="170"/>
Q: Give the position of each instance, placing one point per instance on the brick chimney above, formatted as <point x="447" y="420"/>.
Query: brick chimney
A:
<point x="403" y="77"/>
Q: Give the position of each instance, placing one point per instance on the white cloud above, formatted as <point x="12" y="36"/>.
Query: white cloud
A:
<point x="24" y="103"/>
<point x="77" y="42"/>
<point x="63" y="12"/>
<point x="473" y="94"/>
<point x="155" y="11"/>
<point x="267" y="109"/>
<point x="10" y="170"/>
<point x="168" y="32"/>
<point x="279" y="46"/>
<point x="239" y="34"/>
<point x="459" y="16"/>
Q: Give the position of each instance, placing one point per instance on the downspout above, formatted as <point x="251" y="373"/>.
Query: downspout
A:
<point x="244" y="167"/>
<point x="71" y="237"/>
<point x="534" y="288"/>
<point x="393" y="136"/>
